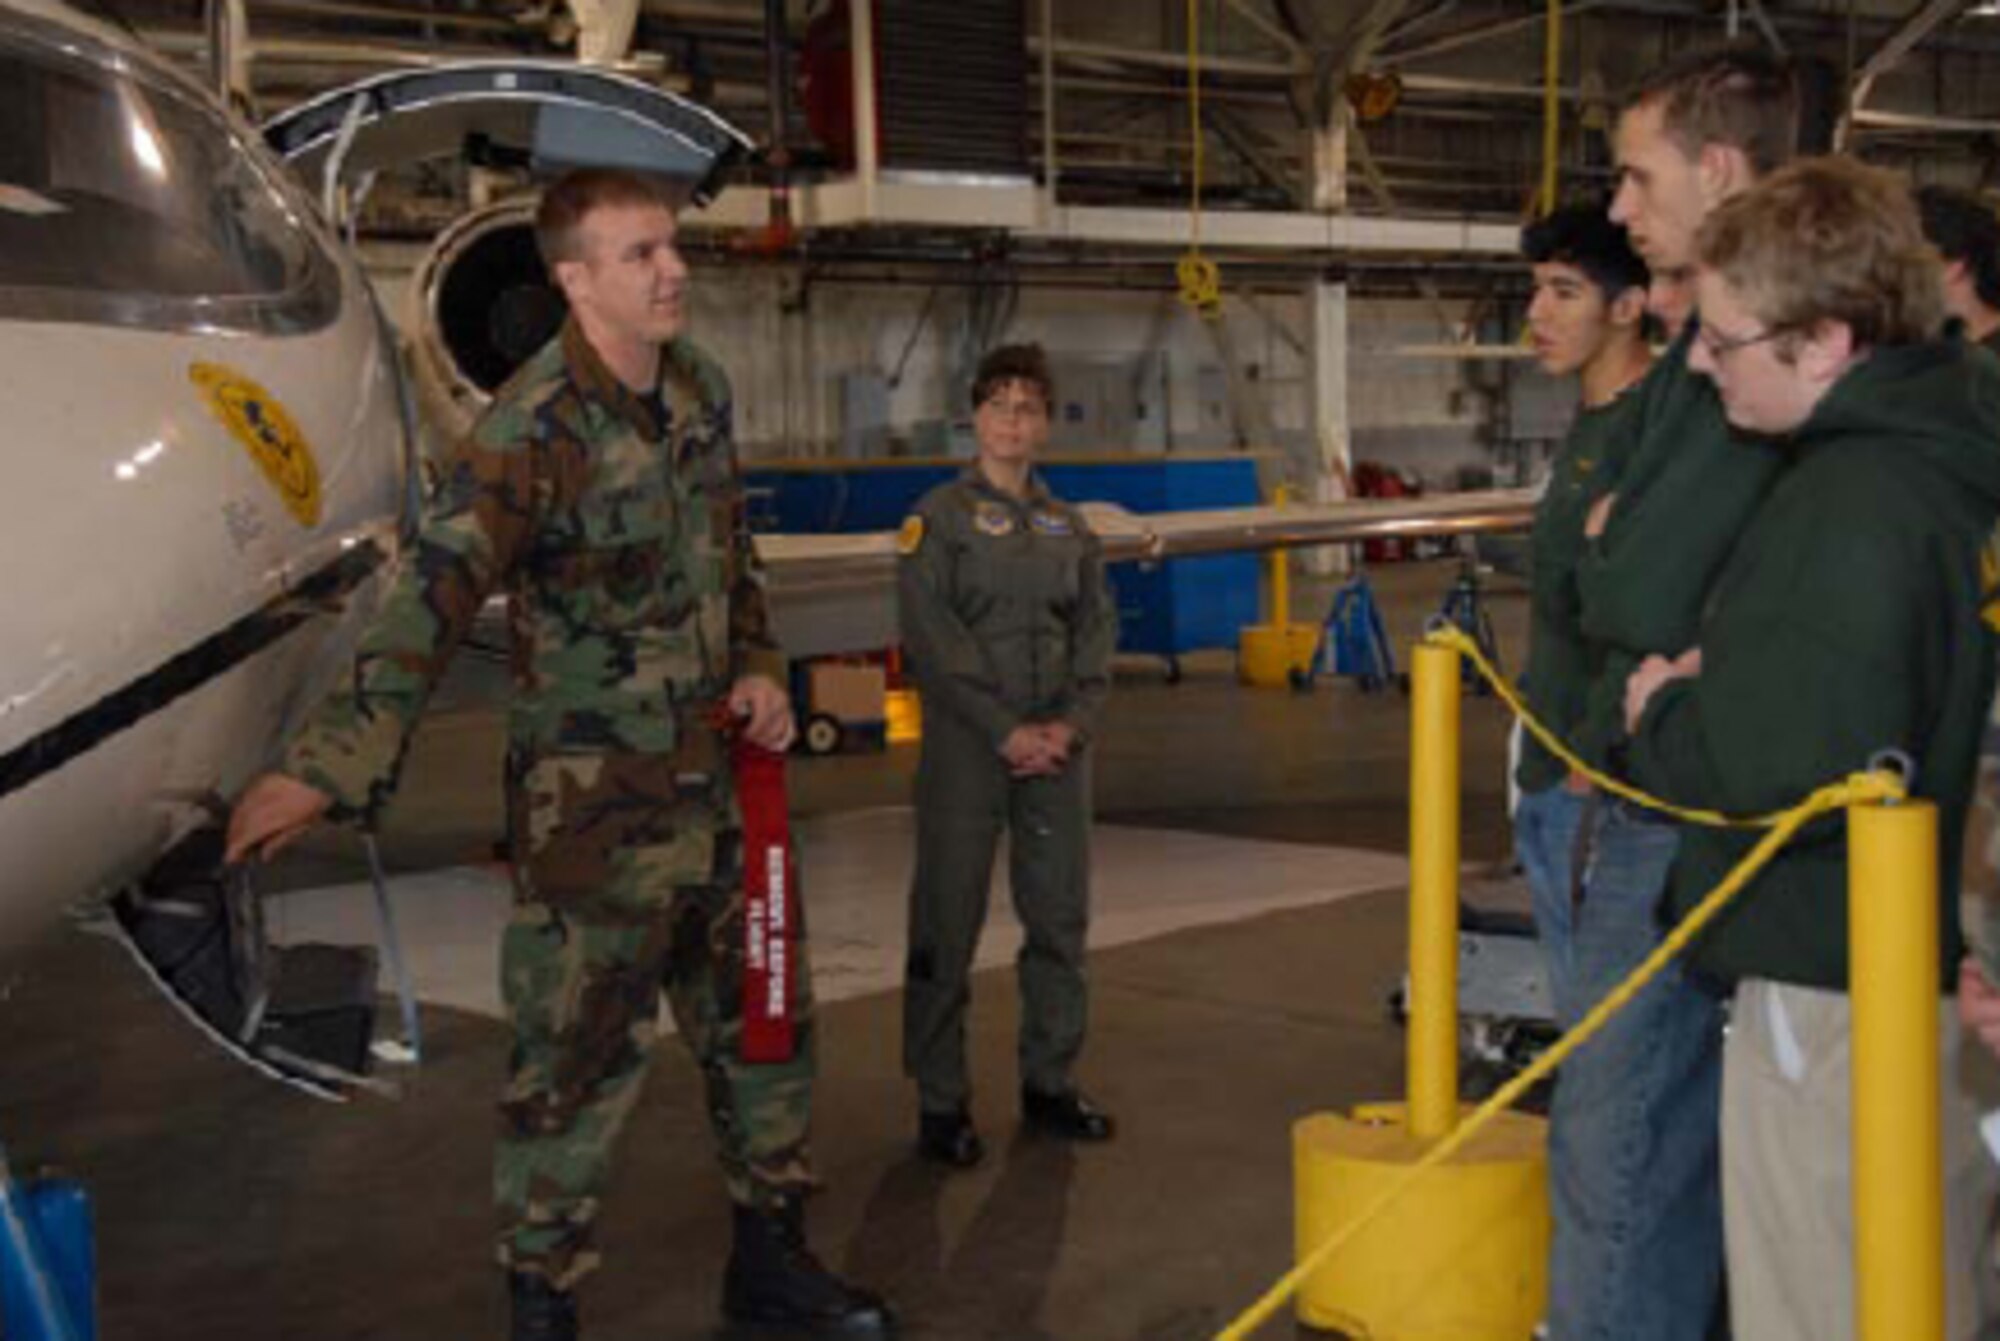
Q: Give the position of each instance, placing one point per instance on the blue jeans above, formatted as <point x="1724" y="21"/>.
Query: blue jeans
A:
<point x="1634" y="1180"/>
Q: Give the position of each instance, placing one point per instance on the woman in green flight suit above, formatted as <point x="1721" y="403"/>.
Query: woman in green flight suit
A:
<point x="1009" y="628"/>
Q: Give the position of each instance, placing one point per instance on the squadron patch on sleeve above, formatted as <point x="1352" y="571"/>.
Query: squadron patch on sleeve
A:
<point x="993" y="519"/>
<point x="911" y="536"/>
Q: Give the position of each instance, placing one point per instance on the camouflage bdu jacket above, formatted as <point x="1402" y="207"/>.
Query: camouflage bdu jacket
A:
<point x="615" y="525"/>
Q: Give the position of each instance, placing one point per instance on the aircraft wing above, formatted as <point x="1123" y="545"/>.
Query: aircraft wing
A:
<point x="836" y="593"/>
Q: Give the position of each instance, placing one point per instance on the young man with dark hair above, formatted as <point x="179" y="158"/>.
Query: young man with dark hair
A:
<point x="1639" y="1155"/>
<point x="600" y="493"/>
<point x="1966" y="233"/>
<point x="1587" y="318"/>
<point x="1846" y="622"/>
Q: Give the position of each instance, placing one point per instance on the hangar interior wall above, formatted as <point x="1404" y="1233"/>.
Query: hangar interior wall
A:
<point x="844" y="369"/>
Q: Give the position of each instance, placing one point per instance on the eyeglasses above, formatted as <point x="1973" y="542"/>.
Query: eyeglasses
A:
<point x="1025" y="408"/>
<point x="1720" y="346"/>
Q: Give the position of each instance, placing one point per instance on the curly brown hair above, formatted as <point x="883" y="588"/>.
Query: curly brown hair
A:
<point x="1013" y="363"/>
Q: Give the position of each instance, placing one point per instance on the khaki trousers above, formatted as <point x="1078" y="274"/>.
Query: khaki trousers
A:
<point x="1788" y="1212"/>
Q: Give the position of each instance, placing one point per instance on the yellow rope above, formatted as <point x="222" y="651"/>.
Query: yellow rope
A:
<point x="1858" y="789"/>
<point x="1450" y="635"/>
<point x="1200" y="278"/>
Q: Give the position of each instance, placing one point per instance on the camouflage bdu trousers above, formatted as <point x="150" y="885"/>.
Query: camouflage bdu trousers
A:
<point x="628" y="882"/>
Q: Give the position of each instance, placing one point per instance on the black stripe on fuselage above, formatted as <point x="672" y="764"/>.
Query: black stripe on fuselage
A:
<point x="210" y="659"/>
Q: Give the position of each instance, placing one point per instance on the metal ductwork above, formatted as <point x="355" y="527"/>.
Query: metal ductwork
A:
<point x="951" y="85"/>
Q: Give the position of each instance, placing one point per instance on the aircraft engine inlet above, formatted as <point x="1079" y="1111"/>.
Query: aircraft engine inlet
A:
<point x="484" y="304"/>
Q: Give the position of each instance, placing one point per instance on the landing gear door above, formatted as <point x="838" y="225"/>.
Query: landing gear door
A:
<point x="545" y="116"/>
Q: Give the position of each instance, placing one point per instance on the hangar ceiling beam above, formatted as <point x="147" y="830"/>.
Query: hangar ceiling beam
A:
<point x="1926" y="19"/>
<point x="1251" y="14"/>
<point x="1244" y="141"/>
<point x="1476" y="33"/>
<point x="1072" y="51"/>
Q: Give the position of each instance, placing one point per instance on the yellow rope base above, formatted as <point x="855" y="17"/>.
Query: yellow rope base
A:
<point x="1460" y="1256"/>
<point x="1318" y="1250"/>
<point x="1267" y="655"/>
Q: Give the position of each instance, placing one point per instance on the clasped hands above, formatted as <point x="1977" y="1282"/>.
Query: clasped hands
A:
<point x="1038" y="749"/>
<point x="1653" y="673"/>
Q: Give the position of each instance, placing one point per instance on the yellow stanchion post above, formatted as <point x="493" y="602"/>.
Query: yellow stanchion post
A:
<point x="1269" y="654"/>
<point x="1892" y="873"/>
<point x="1433" y="1032"/>
<point x="1461" y="1254"/>
<point x="1278" y="565"/>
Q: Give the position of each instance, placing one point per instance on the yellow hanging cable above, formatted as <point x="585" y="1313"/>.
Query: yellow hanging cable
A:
<point x="1200" y="278"/>
<point x="1551" y="106"/>
<point x="1450" y="635"/>
<point x="1859" y="789"/>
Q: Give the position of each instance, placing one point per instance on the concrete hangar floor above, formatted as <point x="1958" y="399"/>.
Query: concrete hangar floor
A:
<point x="1248" y="928"/>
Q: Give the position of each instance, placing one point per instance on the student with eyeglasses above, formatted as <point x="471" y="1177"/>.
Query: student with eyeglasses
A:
<point x="1846" y="622"/>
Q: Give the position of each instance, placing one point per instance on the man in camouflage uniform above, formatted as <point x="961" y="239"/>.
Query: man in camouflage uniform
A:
<point x="600" y="493"/>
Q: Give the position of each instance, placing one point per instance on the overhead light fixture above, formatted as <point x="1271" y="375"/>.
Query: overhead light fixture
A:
<point x="1985" y="9"/>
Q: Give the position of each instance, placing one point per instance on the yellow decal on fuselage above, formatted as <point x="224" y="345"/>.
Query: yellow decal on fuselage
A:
<point x="254" y="418"/>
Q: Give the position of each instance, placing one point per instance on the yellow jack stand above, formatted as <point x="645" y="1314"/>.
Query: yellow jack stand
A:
<point x="1462" y="1253"/>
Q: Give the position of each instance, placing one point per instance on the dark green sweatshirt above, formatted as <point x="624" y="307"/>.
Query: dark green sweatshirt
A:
<point x="1561" y="664"/>
<point x="1846" y="622"/>
<point x="1682" y="501"/>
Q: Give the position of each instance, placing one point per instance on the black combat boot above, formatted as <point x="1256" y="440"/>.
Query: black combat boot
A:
<point x="774" y="1280"/>
<point x="541" y="1311"/>
<point x="1067" y="1115"/>
<point x="949" y="1138"/>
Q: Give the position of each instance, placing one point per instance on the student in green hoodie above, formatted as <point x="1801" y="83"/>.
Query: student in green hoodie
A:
<point x="1967" y="234"/>
<point x="1846" y="622"/>
<point x="1587" y="319"/>
<point x="1637" y="1254"/>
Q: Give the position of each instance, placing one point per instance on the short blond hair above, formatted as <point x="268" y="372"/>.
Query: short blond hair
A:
<point x="572" y="197"/>
<point x="1829" y="239"/>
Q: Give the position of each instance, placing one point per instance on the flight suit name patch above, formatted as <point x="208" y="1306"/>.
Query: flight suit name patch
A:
<point x="1053" y="523"/>
<point x="993" y="519"/>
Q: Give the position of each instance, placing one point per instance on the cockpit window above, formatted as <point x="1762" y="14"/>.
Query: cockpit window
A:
<point x="124" y="199"/>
